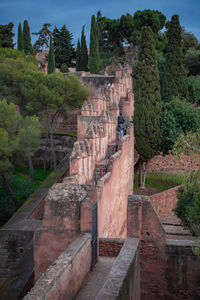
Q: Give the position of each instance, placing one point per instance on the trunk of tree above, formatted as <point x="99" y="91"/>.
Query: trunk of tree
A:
<point x="31" y="169"/>
<point x="142" y="174"/>
<point x="53" y="155"/>
<point x="10" y="191"/>
<point x="45" y="153"/>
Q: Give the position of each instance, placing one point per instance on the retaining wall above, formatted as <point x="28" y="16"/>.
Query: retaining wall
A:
<point x="64" y="278"/>
<point x="123" y="281"/>
<point x="165" y="201"/>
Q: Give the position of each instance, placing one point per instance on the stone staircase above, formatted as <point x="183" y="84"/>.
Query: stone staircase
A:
<point x="101" y="167"/>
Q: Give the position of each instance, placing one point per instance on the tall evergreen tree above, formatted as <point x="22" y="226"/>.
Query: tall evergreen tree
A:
<point x="84" y="52"/>
<point x="42" y="42"/>
<point x="174" y="81"/>
<point x="20" y="43"/>
<point x="147" y="102"/>
<point x="51" y="58"/>
<point x="6" y="36"/>
<point x="94" y="47"/>
<point x="63" y="47"/>
<point x="28" y="49"/>
<point x="78" y="54"/>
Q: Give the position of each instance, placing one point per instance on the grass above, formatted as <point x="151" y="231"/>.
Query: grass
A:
<point x="22" y="186"/>
<point x="39" y="173"/>
<point x="158" y="181"/>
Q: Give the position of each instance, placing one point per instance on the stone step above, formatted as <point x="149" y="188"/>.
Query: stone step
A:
<point x="176" y="230"/>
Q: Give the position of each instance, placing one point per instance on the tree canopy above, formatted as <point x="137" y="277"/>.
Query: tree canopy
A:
<point x="94" y="48"/>
<point x="147" y="99"/>
<point x="63" y="47"/>
<point x="174" y="81"/>
<point x="43" y="40"/>
<point x="6" y="35"/>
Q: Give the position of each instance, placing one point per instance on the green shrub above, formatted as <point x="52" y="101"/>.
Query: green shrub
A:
<point x="188" y="206"/>
<point x="194" y="89"/>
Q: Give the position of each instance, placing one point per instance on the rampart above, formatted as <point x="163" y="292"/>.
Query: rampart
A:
<point x="68" y="207"/>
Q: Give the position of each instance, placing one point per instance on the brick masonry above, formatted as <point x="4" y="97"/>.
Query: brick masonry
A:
<point x="110" y="247"/>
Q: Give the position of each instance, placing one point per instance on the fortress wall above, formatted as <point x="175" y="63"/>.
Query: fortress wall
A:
<point x="116" y="185"/>
<point x="169" y="268"/>
<point x="152" y="252"/>
<point x="61" y="224"/>
<point x="64" y="278"/>
<point x="123" y="281"/>
<point x="165" y="201"/>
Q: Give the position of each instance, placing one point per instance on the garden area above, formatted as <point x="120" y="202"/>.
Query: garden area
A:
<point x="22" y="185"/>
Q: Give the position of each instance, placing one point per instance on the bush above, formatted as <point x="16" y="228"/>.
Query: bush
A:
<point x="64" y="68"/>
<point x="178" y="116"/>
<point x="188" y="206"/>
<point x="194" y="89"/>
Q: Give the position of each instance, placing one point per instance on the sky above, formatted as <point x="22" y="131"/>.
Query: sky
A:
<point x="76" y="13"/>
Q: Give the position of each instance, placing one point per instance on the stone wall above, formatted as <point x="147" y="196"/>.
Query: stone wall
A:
<point x="144" y="223"/>
<point x="169" y="269"/>
<point x="115" y="188"/>
<point x="61" y="224"/>
<point x="110" y="247"/>
<point x="123" y="281"/>
<point x="170" y="163"/>
<point x="64" y="278"/>
<point x="165" y="201"/>
<point x="63" y="145"/>
<point x="183" y="271"/>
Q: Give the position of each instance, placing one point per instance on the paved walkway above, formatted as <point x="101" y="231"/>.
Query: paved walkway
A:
<point x="96" y="279"/>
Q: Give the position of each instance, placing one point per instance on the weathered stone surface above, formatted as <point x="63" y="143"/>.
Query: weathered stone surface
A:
<point x="123" y="282"/>
<point x="65" y="276"/>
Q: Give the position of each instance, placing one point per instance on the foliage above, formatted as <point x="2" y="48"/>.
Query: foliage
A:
<point x="147" y="99"/>
<point x="43" y="40"/>
<point x="83" y="52"/>
<point x="20" y="42"/>
<point x="22" y="187"/>
<point x="189" y="40"/>
<point x="178" y="117"/>
<point x="194" y="89"/>
<point x="94" y="48"/>
<point x="39" y="174"/>
<point x="6" y="35"/>
<point x="152" y="18"/>
<point x="51" y="59"/>
<point x="63" y="47"/>
<point x="174" y="82"/>
<point x="188" y="205"/>
<point x="78" y="56"/>
<point x="28" y="49"/>
<point x="192" y="61"/>
<point x="64" y="68"/>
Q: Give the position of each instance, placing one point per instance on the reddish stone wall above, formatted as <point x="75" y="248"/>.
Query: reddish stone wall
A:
<point x="64" y="278"/>
<point x="165" y="202"/>
<point x="110" y="247"/>
<point x="115" y="187"/>
<point x="183" y="271"/>
<point x="61" y="224"/>
<point x="123" y="281"/>
<point x="170" y="163"/>
<point x="152" y="253"/>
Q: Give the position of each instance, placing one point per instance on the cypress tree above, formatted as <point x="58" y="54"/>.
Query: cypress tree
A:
<point x="83" y="52"/>
<point x="51" y="58"/>
<point x="94" y="47"/>
<point x="174" y="81"/>
<point x="63" y="47"/>
<point x="28" y="49"/>
<point x="78" y="53"/>
<point x="20" y="44"/>
<point x="147" y="102"/>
